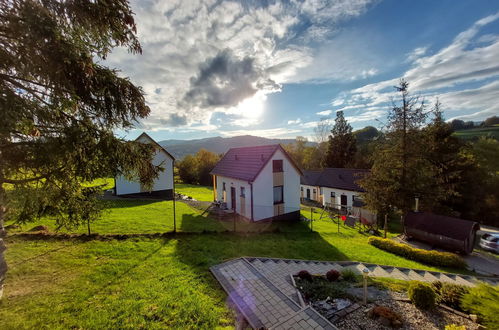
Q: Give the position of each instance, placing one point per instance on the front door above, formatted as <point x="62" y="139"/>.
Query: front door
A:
<point x="344" y="200"/>
<point x="308" y="193"/>
<point x="233" y="198"/>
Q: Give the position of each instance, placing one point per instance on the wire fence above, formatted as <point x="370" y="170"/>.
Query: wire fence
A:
<point x="122" y="216"/>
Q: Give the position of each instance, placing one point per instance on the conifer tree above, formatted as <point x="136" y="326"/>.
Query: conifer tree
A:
<point x="59" y="106"/>
<point x="341" y="145"/>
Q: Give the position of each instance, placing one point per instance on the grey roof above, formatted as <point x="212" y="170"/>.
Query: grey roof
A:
<point x="340" y="178"/>
<point x="246" y="163"/>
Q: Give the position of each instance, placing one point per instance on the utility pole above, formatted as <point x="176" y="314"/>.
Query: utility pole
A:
<point x="174" y="216"/>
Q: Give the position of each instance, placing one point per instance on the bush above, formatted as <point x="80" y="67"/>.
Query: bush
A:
<point x="450" y="294"/>
<point x="348" y="275"/>
<point x="433" y="258"/>
<point x="482" y="300"/>
<point x="422" y="295"/>
<point x="319" y="289"/>
<point x="455" y="327"/>
<point x="332" y="275"/>
<point x="304" y="275"/>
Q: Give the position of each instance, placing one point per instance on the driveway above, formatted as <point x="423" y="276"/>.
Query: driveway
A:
<point x="477" y="261"/>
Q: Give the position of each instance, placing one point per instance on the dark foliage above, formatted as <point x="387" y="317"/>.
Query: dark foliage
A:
<point x="332" y="275"/>
<point x="304" y="275"/>
<point x="422" y="295"/>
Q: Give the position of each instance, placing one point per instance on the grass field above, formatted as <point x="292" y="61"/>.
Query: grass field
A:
<point x="154" y="282"/>
<point x="200" y="193"/>
<point x="475" y="133"/>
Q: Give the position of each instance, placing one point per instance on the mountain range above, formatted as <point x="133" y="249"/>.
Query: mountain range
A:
<point x="181" y="148"/>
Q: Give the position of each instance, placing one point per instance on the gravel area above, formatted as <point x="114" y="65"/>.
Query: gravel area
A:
<point x="412" y="318"/>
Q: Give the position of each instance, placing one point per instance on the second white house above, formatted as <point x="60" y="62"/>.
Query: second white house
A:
<point x="258" y="183"/>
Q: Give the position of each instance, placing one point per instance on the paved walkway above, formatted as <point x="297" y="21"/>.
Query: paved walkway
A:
<point x="264" y="294"/>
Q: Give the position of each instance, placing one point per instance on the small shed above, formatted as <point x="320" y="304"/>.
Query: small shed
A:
<point x="447" y="232"/>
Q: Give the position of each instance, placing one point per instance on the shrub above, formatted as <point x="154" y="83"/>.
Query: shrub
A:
<point x="482" y="300"/>
<point x="332" y="275"/>
<point x="304" y="275"/>
<point x="421" y="295"/>
<point x="455" y="327"/>
<point x="320" y="289"/>
<point x="450" y="294"/>
<point x="349" y="275"/>
<point x="434" y="258"/>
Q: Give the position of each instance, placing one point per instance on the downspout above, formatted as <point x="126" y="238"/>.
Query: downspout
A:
<point x="251" y="191"/>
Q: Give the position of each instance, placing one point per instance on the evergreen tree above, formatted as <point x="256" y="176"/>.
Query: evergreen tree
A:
<point x="398" y="174"/>
<point x="60" y="105"/>
<point x="341" y="145"/>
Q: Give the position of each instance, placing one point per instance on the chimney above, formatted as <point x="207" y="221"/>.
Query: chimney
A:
<point x="416" y="209"/>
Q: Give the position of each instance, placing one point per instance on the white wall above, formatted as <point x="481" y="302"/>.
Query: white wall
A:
<point x="305" y="187"/>
<point x="263" y="193"/>
<point x="338" y="192"/>
<point x="163" y="182"/>
<point x="229" y="182"/>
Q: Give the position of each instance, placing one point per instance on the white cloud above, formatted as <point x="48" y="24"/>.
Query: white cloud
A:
<point x="325" y="113"/>
<point x="294" y="122"/>
<point x="463" y="61"/>
<point x="186" y="70"/>
<point x="416" y="53"/>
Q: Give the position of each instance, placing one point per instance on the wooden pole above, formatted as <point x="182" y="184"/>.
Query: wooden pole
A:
<point x="386" y="223"/>
<point x="311" y="219"/>
<point x="173" y="188"/>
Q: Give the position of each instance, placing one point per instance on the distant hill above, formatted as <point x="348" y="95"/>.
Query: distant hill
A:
<point x="475" y="133"/>
<point x="180" y="148"/>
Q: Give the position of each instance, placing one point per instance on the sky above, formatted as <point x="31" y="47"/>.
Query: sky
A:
<point x="276" y="68"/>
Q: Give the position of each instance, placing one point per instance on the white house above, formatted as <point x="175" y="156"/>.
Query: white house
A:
<point x="258" y="183"/>
<point x="334" y="187"/>
<point x="163" y="184"/>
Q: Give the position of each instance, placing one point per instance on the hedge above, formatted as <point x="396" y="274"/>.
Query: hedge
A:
<point x="432" y="258"/>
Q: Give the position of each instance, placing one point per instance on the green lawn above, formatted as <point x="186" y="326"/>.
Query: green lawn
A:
<point x="200" y="193"/>
<point x="154" y="282"/>
<point x="475" y="133"/>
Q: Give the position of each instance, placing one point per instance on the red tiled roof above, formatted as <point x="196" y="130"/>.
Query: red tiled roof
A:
<point x="246" y="163"/>
<point x="340" y="178"/>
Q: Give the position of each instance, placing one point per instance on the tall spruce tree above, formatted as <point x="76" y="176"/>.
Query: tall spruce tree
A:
<point x="399" y="172"/>
<point x="59" y="106"/>
<point x="341" y="145"/>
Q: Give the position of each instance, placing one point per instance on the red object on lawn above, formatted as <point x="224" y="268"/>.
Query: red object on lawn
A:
<point x="343" y="217"/>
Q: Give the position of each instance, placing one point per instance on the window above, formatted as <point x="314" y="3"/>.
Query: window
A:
<point x="321" y="190"/>
<point x="333" y="194"/>
<point x="277" y="165"/>
<point x="315" y="191"/>
<point x="278" y="196"/>
<point x="223" y="186"/>
<point x="301" y="189"/>
<point x="242" y="192"/>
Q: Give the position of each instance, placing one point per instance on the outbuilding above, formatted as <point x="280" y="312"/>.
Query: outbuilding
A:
<point x="450" y="233"/>
<point x="163" y="184"/>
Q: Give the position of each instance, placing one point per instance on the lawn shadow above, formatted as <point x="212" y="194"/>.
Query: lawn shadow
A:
<point x="128" y="202"/>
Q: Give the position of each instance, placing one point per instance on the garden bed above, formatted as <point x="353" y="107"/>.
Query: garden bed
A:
<point x="339" y="298"/>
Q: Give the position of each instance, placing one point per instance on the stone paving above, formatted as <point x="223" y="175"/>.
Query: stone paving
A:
<point x="263" y="290"/>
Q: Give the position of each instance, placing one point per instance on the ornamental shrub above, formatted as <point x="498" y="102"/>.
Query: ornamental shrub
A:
<point x="304" y="275"/>
<point x="333" y="275"/>
<point x="483" y="301"/>
<point x="450" y="294"/>
<point x="422" y="295"/>
<point x="434" y="258"/>
<point x="348" y="275"/>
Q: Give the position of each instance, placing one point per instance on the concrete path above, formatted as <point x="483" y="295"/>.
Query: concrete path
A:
<point x="264" y="294"/>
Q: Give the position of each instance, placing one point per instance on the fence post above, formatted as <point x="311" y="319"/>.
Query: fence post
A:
<point x="234" y="220"/>
<point x="386" y="223"/>
<point x="311" y="219"/>
<point x="173" y="189"/>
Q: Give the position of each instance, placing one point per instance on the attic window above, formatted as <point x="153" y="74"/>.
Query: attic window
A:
<point x="277" y="165"/>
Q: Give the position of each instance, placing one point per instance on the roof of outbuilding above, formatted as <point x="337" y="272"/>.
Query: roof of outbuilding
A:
<point x="155" y="143"/>
<point x="340" y="178"/>
<point x="247" y="162"/>
<point x="451" y="227"/>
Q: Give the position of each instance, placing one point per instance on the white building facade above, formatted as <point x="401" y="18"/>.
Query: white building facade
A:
<point x="163" y="184"/>
<point x="258" y="183"/>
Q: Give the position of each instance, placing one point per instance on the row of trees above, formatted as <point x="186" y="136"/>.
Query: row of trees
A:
<point x="195" y="169"/>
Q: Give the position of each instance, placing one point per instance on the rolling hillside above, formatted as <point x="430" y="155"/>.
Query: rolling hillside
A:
<point x="180" y="148"/>
<point x="475" y="133"/>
